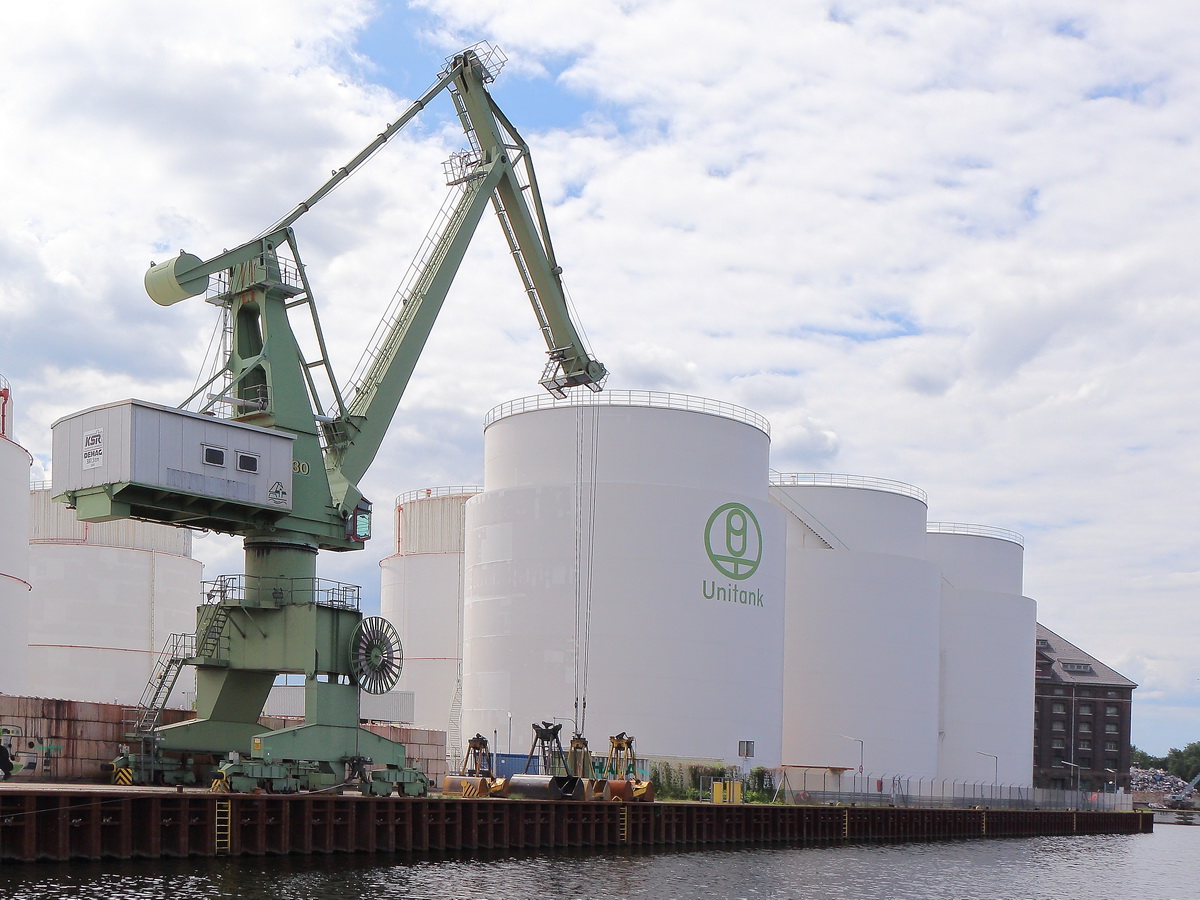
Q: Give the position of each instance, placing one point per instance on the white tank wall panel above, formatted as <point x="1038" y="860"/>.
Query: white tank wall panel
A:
<point x="56" y="523"/>
<point x="864" y="519"/>
<point x="14" y="561"/>
<point x="683" y="656"/>
<point x="100" y="616"/>
<point x="660" y="446"/>
<point x="287" y="701"/>
<point x="432" y="524"/>
<point x="978" y="561"/>
<point x="421" y="595"/>
<point x="861" y="658"/>
<point x="987" y="677"/>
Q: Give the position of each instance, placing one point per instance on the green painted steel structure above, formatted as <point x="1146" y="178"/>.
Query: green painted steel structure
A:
<point x="277" y="621"/>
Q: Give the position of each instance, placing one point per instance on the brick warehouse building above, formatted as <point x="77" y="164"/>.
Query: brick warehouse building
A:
<point x="1082" y="713"/>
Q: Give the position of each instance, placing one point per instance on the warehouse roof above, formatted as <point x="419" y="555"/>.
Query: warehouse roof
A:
<point x="1060" y="660"/>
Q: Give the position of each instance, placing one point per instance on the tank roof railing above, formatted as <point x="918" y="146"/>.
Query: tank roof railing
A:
<point x="651" y="399"/>
<point x="1003" y="534"/>
<point x="866" y="482"/>
<point x="452" y="490"/>
<point x="39" y="485"/>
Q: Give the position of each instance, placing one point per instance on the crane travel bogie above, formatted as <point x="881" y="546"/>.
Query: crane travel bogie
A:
<point x="209" y="474"/>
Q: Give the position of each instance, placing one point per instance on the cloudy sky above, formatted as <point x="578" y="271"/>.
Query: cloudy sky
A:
<point x="947" y="243"/>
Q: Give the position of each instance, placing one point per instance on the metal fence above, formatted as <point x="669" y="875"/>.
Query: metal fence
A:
<point x="807" y="786"/>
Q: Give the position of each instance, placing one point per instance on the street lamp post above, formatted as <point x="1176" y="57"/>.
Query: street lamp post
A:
<point x="1076" y="768"/>
<point x="862" y="750"/>
<point x="996" y="766"/>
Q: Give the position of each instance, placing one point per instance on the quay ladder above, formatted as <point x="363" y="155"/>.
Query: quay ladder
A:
<point x="222" y="826"/>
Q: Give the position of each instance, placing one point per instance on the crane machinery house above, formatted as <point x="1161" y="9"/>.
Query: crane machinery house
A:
<point x="134" y="458"/>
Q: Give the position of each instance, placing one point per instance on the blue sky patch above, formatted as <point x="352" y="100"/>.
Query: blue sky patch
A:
<point x="879" y="326"/>
<point x="406" y="62"/>
<point x="1133" y="91"/>
<point x="1070" y="28"/>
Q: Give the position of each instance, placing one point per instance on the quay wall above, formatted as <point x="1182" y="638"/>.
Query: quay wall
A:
<point x="106" y="824"/>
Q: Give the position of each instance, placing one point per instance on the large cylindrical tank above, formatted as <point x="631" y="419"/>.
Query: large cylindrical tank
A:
<point x="105" y="599"/>
<point x="14" y="551"/>
<point x="657" y="503"/>
<point x="421" y="594"/>
<point x="861" y="636"/>
<point x="988" y="640"/>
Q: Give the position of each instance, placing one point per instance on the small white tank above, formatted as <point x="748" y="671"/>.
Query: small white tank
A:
<point x="659" y="502"/>
<point x="861" y="636"/>
<point x="105" y="599"/>
<point x="988" y="646"/>
<point x="14" y="551"/>
<point x="421" y="594"/>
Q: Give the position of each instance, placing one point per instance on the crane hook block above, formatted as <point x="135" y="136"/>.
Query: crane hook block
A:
<point x="171" y="281"/>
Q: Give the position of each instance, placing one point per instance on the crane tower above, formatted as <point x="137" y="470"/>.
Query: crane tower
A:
<point x="264" y="456"/>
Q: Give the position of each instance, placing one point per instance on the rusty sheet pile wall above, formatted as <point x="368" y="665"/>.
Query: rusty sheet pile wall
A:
<point x="62" y="825"/>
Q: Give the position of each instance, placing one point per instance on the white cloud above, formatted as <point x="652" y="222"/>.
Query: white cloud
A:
<point x="948" y="243"/>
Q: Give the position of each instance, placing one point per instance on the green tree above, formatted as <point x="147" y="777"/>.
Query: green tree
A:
<point x="1140" y="759"/>
<point x="1185" y="763"/>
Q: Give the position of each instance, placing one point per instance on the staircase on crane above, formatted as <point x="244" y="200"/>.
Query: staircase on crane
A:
<point x="179" y="648"/>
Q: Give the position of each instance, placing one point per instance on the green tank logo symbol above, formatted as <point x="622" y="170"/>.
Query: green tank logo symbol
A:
<point x="734" y="541"/>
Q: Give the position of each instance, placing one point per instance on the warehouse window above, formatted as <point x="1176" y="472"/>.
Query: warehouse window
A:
<point x="1085" y="727"/>
<point x="1085" y="745"/>
<point x="1058" y="726"/>
<point x="1111" y="711"/>
<point x="214" y="456"/>
<point x="1085" y="762"/>
<point x="1058" y="708"/>
<point x="1110" y="729"/>
<point x="1058" y="743"/>
<point x="1085" y="709"/>
<point x="1110" y="746"/>
<point x="247" y="462"/>
<point x="1077" y="667"/>
<point x="1111" y="694"/>
<point x="1058" y="692"/>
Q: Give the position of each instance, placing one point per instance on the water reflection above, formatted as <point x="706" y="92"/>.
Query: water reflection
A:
<point x="1035" y="868"/>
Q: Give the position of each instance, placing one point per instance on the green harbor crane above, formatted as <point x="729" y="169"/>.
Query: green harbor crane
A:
<point x="275" y="451"/>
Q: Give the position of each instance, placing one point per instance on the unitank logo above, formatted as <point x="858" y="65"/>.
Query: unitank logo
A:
<point x="734" y="541"/>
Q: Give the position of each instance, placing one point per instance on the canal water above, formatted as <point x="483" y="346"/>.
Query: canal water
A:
<point x="1159" y="866"/>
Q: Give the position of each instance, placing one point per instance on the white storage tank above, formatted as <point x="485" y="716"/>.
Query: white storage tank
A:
<point x="106" y="596"/>
<point x="659" y="503"/>
<point x="14" y="550"/>
<point x="861" y="636"/>
<point x="421" y="594"/>
<point x="988" y="641"/>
